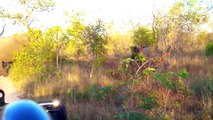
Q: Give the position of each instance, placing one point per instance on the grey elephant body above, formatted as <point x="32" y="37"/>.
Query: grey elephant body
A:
<point x="8" y="46"/>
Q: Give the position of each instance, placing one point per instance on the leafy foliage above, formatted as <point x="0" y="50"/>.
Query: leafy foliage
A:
<point x="96" y="40"/>
<point x="209" y="49"/>
<point x="175" y="28"/>
<point x="75" y="46"/>
<point x="144" y="37"/>
<point x="147" y="102"/>
<point x="118" y="44"/>
<point x="36" y="60"/>
<point x="183" y="73"/>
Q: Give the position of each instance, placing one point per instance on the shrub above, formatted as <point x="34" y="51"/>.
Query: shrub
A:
<point x="144" y="37"/>
<point x="36" y="60"/>
<point x="209" y="49"/>
<point x="96" y="39"/>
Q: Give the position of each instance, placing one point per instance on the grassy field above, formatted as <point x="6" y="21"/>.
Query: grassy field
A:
<point x="174" y="85"/>
<point x="105" y="94"/>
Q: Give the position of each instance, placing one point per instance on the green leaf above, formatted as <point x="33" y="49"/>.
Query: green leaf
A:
<point x="164" y="79"/>
<point x="106" y="89"/>
<point x="142" y="58"/>
<point x="120" y="97"/>
<point x="147" y="102"/>
<point x="99" y="96"/>
<point x="209" y="49"/>
<point x="127" y="60"/>
<point x="183" y="73"/>
<point x="126" y="70"/>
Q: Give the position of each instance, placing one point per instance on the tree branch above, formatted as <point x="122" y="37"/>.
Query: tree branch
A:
<point x="2" y="30"/>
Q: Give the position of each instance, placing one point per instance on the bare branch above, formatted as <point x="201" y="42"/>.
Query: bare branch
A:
<point x="2" y="30"/>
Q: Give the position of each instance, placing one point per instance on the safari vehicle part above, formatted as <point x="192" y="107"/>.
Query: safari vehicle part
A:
<point x="2" y="100"/>
<point x="54" y="108"/>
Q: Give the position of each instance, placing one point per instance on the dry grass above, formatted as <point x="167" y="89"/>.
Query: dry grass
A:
<point x="89" y="111"/>
<point x="76" y="77"/>
<point x="200" y="81"/>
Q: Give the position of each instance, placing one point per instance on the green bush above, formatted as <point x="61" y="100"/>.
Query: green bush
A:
<point x="35" y="60"/>
<point x="209" y="49"/>
<point x="143" y="37"/>
<point x="95" y="38"/>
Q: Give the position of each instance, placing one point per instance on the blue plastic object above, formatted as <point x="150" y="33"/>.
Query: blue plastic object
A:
<point x="24" y="110"/>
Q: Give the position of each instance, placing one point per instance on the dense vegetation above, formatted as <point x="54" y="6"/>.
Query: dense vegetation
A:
<point x="92" y="71"/>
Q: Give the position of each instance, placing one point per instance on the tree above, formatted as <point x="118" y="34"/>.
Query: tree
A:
<point x="119" y="44"/>
<point x="96" y="40"/>
<point x="57" y="36"/>
<point x="183" y="19"/>
<point x="144" y="37"/>
<point x="27" y="15"/>
<point x="35" y="61"/>
<point x="75" y="47"/>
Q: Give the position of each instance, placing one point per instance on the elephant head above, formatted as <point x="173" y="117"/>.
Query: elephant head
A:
<point x="149" y="52"/>
<point x="9" y="45"/>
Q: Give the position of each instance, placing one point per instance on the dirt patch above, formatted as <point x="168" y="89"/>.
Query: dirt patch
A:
<point x="11" y="93"/>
